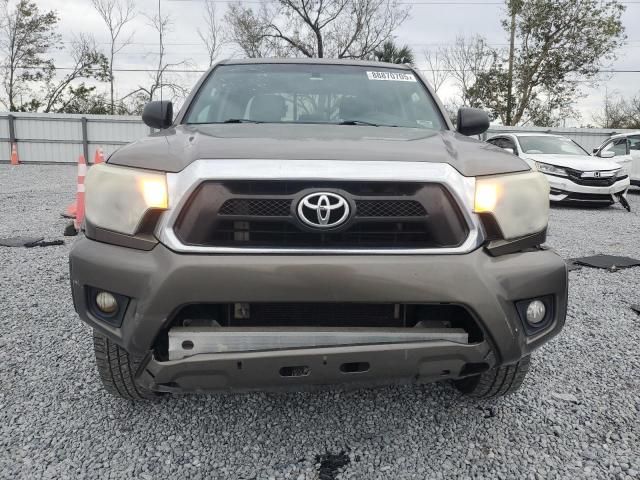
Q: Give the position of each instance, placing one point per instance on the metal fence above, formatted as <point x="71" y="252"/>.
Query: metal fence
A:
<point x="58" y="138"/>
<point x="62" y="138"/>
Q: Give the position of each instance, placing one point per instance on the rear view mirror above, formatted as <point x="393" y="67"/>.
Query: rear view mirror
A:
<point x="607" y="154"/>
<point x="507" y="149"/>
<point x="158" y="114"/>
<point x="472" y="121"/>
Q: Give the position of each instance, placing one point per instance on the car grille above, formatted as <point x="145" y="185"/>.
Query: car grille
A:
<point x="262" y="214"/>
<point x="575" y="177"/>
<point x="282" y="208"/>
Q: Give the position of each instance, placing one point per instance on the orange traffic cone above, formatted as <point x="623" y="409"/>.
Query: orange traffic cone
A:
<point x="14" y="155"/>
<point x="70" y="211"/>
<point x="99" y="158"/>
<point x="82" y="171"/>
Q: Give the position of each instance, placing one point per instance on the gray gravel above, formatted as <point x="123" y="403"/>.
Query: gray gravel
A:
<point x="577" y="417"/>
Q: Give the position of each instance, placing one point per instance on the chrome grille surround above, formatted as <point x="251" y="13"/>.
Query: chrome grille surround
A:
<point x="182" y="184"/>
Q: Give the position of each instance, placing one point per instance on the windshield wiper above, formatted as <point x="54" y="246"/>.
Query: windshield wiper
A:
<point x="362" y="122"/>
<point x="241" y="120"/>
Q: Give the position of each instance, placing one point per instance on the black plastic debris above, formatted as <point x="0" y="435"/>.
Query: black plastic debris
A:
<point x="331" y="464"/>
<point x="607" y="262"/>
<point x="636" y="308"/>
<point x="43" y="243"/>
<point x="20" y="241"/>
<point x="28" y="242"/>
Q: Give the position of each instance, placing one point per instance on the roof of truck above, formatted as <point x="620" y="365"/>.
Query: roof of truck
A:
<point x="318" y="61"/>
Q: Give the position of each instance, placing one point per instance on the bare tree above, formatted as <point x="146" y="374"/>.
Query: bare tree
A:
<point x="159" y="80"/>
<point x="115" y="14"/>
<point x="316" y="28"/>
<point x="87" y="62"/>
<point x="465" y="60"/>
<point x="437" y="71"/>
<point x="212" y="35"/>
<point x="618" y="112"/>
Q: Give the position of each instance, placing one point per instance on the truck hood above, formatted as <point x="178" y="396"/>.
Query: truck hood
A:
<point x="584" y="163"/>
<point x="174" y="149"/>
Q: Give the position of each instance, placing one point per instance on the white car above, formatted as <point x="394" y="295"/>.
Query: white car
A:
<point x="626" y="150"/>
<point x="573" y="174"/>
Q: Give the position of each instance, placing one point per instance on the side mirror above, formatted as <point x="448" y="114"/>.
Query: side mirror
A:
<point x="507" y="149"/>
<point x="607" y="154"/>
<point x="472" y="121"/>
<point x="158" y="114"/>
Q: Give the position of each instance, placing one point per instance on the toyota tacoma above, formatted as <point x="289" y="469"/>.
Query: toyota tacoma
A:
<point x="314" y="222"/>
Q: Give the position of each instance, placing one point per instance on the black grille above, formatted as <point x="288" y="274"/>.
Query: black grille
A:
<point x="590" y="197"/>
<point x="377" y="234"/>
<point x="274" y="207"/>
<point x="389" y="208"/>
<point x="268" y="207"/>
<point x="261" y="214"/>
<point x="575" y="177"/>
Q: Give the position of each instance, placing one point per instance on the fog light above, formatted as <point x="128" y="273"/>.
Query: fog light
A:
<point x="106" y="303"/>
<point x="536" y="312"/>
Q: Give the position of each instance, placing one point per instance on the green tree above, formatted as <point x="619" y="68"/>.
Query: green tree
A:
<point x="26" y="40"/>
<point x="88" y="63"/>
<point x="391" y="53"/>
<point x="554" y="46"/>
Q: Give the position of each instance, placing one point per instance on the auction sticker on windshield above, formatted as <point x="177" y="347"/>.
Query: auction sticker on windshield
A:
<point x="393" y="76"/>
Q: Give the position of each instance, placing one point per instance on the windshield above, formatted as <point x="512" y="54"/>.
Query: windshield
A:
<point x="313" y="93"/>
<point x="550" y="145"/>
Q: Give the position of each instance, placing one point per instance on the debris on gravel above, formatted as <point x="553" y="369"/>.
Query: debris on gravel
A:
<point x="56" y="420"/>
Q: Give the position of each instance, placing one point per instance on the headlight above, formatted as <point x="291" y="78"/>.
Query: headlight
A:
<point x="117" y="198"/>
<point x="551" y="169"/>
<point x="519" y="202"/>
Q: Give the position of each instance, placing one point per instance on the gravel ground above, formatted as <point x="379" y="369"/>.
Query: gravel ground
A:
<point x="577" y="417"/>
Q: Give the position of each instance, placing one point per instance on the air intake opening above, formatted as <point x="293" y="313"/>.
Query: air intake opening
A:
<point x="354" y="367"/>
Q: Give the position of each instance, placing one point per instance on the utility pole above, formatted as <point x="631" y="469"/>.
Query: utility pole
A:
<point x="514" y="7"/>
<point x="160" y="46"/>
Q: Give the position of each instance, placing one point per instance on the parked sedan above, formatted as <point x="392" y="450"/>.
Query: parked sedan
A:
<point x="573" y="174"/>
<point x="625" y="147"/>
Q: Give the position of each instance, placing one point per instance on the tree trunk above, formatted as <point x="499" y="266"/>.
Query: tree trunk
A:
<point x="512" y="42"/>
<point x="112" y="109"/>
<point x="320" y="44"/>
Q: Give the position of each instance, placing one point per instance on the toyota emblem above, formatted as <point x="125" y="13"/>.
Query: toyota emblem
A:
<point x="323" y="210"/>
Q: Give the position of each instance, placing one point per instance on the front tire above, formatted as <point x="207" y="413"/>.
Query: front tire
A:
<point x="495" y="382"/>
<point x="117" y="370"/>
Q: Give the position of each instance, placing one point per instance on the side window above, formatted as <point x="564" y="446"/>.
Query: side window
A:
<point x="494" y="141"/>
<point x="618" y="146"/>
<point x="509" y="143"/>
<point x="634" y="142"/>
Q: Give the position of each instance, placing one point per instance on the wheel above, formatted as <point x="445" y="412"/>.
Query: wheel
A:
<point x="495" y="382"/>
<point x="117" y="370"/>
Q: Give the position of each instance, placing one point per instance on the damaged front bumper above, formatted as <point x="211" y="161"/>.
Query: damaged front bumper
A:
<point x="159" y="282"/>
<point x="565" y="190"/>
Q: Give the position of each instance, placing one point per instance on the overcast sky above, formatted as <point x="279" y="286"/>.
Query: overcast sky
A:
<point x="431" y="23"/>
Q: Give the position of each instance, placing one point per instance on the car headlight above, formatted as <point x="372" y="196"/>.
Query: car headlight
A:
<point x="117" y="198"/>
<point x="551" y="169"/>
<point x="519" y="202"/>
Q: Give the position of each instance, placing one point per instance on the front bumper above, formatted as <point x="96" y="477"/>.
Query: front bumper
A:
<point x="159" y="281"/>
<point x="563" y="189"/>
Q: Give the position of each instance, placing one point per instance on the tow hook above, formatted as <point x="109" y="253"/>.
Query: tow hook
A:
<point x="623" y="202"/>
